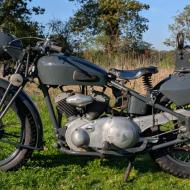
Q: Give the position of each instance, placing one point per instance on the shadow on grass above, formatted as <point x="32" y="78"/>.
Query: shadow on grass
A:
<point x="142" y="163"/>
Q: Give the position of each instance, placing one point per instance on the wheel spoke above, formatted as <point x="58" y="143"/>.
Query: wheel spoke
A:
<point x="181" y="153"/>
<point x="15" y="132"/>
<point x="9" y="146"/>
<point x="9" y="142"/>
<point x="12" y="135"/>
<point x="6" y="125"/>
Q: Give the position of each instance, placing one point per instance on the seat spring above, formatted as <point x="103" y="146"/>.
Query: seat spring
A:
<point x="147" y="81"/>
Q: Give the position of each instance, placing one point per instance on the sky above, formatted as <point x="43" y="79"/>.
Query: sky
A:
<point x="160" y="15"/>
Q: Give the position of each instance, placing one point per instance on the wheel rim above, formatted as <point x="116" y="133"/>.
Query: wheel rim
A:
<point x="180" y="154"/>
<point x="11" y="133"/>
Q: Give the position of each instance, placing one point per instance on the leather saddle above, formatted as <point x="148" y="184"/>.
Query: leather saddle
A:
<point x="134" y="74"/>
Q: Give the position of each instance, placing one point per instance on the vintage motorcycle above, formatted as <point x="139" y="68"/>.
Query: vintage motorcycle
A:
<point x="158" y="122"/>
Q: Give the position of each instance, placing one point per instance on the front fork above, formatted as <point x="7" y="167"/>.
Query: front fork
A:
<point x="16" y="81"/>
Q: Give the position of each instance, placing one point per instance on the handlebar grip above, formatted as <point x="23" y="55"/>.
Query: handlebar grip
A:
<point x="56" y="48"/>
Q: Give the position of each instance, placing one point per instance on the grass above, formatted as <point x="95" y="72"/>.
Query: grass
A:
<point x="50" y="169"/>
<point x="131" y="60"/>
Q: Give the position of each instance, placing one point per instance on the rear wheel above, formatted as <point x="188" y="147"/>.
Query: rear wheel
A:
<point x="15" y="129"/>
<point x="176" y="159"/>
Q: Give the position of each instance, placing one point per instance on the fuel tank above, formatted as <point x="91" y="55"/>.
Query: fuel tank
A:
<point x="59" y="69"/>
<point x="177" y="88"/>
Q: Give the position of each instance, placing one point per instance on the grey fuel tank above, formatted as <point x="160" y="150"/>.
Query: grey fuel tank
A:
<point x="58" y="69"/>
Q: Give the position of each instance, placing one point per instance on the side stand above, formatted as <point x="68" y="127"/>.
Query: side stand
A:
<point x="129" y="168"/>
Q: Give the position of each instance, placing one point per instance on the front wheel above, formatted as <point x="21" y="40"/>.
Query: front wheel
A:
<point x="15" y="129"/>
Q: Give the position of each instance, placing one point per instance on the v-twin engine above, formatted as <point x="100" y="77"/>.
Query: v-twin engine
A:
<point x="118" y="132"/>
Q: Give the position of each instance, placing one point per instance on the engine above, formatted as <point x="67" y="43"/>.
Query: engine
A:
<point x="86" y="129"/>
<point x="118" y="131"/>
<point x="73" y="104"/>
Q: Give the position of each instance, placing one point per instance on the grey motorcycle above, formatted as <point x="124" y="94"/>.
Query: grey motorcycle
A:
<point x="157" y="123"/>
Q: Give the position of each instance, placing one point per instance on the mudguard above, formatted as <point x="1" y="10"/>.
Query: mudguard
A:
<point x="157" y="86"/>
<point x="25" y="99"/>
<point x="176" y="88"/>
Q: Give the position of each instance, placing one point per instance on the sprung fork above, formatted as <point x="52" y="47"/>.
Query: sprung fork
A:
<point x="2" y="113"/>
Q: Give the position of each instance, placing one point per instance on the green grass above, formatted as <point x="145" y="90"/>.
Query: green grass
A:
<point x="51" y="169"/>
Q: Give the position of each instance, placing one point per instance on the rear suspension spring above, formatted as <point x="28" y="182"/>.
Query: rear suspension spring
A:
<point x="147" y="81"/>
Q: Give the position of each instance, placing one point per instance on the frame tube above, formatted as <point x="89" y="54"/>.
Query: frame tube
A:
<point x="49" y="106"/>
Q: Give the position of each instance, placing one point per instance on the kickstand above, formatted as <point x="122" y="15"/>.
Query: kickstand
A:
<point x="129" y="168"/>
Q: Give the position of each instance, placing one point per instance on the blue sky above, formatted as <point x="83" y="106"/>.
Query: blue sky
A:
<point x="160" y="15"/>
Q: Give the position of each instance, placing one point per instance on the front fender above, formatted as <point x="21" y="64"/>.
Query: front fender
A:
<point x="25" y="99"/>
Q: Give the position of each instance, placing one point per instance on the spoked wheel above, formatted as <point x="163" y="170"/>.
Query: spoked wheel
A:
<point x="15" y="130"/>
<point x="176" y="159"/>
<point x="181" y="154"/>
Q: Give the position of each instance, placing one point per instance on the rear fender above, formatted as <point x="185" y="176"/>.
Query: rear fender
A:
<point x="157" y="86"/>
<point x="176" y="88"/>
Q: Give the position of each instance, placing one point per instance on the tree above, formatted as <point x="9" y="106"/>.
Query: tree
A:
<point x="181" y="24"/>
<point x="60" y="33"/>
<point x="110" y="21"/>
<point x="16" y="16"/>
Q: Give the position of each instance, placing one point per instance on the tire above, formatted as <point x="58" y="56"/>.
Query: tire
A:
<point x="166" y="159"/>
<point x="16" y="127"/>
<point x="167" y="163"/>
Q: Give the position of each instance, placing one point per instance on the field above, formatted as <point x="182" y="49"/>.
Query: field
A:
<point x="50" y="169"/>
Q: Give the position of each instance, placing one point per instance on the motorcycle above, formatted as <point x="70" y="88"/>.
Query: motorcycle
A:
<point x="157" y="123"/>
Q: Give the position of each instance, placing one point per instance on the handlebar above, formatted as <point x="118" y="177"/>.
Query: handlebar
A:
<point x="55" y="48"/>
<point x="43" y="49"/>
<point x="42" y="46"/>
<point x="29" y="55"/>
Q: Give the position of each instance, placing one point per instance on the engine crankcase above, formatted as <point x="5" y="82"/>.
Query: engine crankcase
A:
<point x="119" y="131"/>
